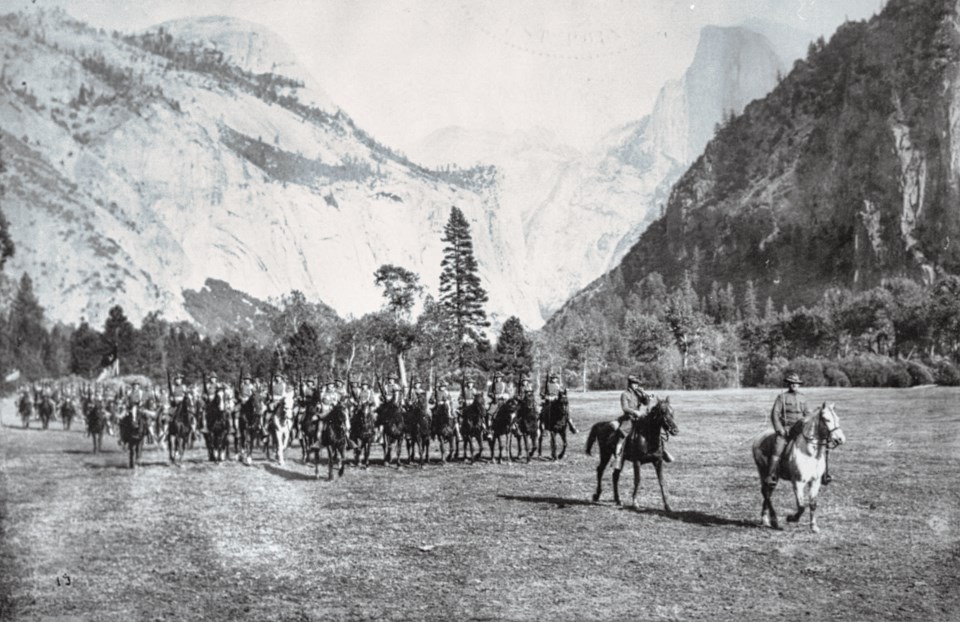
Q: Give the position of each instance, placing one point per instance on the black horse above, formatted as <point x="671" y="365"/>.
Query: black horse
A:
<point x="390" y="418"/>
<point x="133" y="431"/>
<point x="363" y="431"/>
<point x="25" y="408"/>
<point x="46" y="409"/>
<point x="443" y="426"/>
<point x="644" y="445"/>
<point x="473" y="427"/>
<point x="528" y="424"/>
<point x="504" y="424"/>
<point x="180" y="429"/>
<point x="95" y="415"/>
<point x="68" y="410"/>
<point x="217" y="436"/>
<point x="417" y="420"/>
<point x="554" y="419"/>
<point x="251" y="425"/>
<point x="334" y="438"/>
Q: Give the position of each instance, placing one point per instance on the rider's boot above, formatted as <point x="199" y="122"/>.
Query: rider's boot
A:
<point x="618" y="454"/>
<point x="573" y="428"/>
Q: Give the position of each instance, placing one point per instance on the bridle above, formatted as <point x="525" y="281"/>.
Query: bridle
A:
<point x="823" y="438"/>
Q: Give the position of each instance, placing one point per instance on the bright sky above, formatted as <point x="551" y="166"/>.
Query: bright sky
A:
<point x="404" y="68"/>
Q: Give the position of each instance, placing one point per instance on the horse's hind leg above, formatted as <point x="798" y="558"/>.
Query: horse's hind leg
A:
<point x="563" y="439"/>
<point x="636" y="485"/>
<point x="813" y="492"/>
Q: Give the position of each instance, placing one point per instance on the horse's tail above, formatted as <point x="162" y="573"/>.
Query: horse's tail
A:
<point x="591" y="439"/>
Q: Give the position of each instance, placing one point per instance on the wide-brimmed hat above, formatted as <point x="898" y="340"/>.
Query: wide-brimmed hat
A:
<point x="631" y="379"/>
<point x="554" y="376"/>
<point x="792" y="378"/>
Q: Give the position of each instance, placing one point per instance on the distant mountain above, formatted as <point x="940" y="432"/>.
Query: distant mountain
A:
<point x="140" y="166"/>
<point x="847" y="173"/>
<point x="217" y="308"/>
<point x="579" y="213"/>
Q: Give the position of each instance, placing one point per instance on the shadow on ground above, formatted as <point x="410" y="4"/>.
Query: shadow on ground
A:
<point x="560" y="502"/>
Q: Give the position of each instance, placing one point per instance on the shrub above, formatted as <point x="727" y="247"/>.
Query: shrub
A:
<point x="834" y="375"/>
<point x="654" y="376"/>
<point x="776" y="368"/>
<point x="608" y="379"/>
<point x="706" y="378"/>
<point x="810" y="371"/>
<point x="947" y="374"/>
<point x="919" y="373"/>
<point x="866" y="371"/>
<point x="898" y="376"/>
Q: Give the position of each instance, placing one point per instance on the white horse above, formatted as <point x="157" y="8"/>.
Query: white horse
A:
<point x="281" y="429"/>
<point x="803" y="464"/>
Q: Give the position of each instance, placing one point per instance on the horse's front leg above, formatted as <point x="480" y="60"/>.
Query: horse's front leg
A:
<point x="563" y="439"/>
<point x="604" y="459"/>
<point x="798" y="487"/>
<point x="616" y="484"/>
<point x="636" y="484"/>
<point x="813" y="491"/>
<point x="658" y="466"/>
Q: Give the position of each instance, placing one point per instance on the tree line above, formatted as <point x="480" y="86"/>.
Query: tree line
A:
<point x="900" y="333"/>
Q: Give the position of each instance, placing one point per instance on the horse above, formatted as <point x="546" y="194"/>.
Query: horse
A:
<point x="417" y="420"/>
<point x="473" y="427"/>
<point x="334" y="438"/>
<point x="363" y="431"/>
<point x="218" y="428"/>
<point x="528" y="424"/>
<point x="804" y="463"/>
<point x="309" y="425"/>
<point x="644" y="445"/>
<point x="554" y="419"/>
<point x="180" y="428"/>
<point x="96" y="420"/>
<point x="68" y="410"/>
<point x="46" y="409"/>
<point x="279" y="429"/>
<point x="25" y="408"/>
<point x="444" y="428"/>
<point x="390" y="418"/>
<point x="133" y="431"/>
<point x="503" y="425"/>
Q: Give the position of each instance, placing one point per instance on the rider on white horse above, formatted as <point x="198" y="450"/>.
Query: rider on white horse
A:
<point x="789" y="408"/>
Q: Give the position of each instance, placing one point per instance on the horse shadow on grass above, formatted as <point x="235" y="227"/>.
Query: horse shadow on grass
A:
<point x="288" y="475"/>
<point x="560" y="502"/>
<point x="686" y="516"/>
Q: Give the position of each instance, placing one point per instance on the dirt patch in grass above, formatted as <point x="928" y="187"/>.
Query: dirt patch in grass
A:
<point x="486" y="541"/>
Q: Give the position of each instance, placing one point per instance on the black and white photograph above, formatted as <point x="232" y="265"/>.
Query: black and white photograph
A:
<point x="479" y="310"/>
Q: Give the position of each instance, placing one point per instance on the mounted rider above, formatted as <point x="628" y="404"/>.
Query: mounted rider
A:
<point x="178" y="391"/>
<point x="135" y="400"/>
<point x="549" y="393"/>
<point x="789" y="408"/>
<point x="417" y="393"/>
<point x="498" y="393"/>
<point x="281" y="398"/>
<point x="393" y="391"/>
<point x="630" y="402"/>
<point x="441" y="396"/>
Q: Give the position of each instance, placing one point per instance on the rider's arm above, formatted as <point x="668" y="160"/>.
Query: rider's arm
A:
<point x="628" y="408"/>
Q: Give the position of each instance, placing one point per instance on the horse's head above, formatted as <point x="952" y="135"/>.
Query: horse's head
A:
<point x="662" y="413"/>
<point x="828" y="425"/>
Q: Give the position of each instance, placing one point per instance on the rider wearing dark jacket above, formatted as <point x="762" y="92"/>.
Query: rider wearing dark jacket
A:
<point x="630" y="402"/>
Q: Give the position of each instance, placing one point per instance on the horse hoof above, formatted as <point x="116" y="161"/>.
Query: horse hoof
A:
<point x="595" y="498"/>
<point x="814" y="529"/>
<point x="792" y="518"/>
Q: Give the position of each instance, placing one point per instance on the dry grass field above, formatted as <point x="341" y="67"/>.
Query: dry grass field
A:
<point x="491" y="542"/>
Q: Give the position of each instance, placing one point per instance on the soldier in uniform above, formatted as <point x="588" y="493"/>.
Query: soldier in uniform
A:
<point x="789" y="408"/>
<point x="630" y="402"/>
<point x="135" y="400"/>
<point x="394" y="391"/>
<point x="418" y="392"/>
<point x="366" y="395"/>
<point x="442" y="396"/>
<point x="498" y="392"/>
<point x="467" y="395"/>
<point x="549" y="393"/>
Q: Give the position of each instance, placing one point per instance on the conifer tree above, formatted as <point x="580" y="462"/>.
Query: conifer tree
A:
<point x="27" y="333"/>
<point x="513" y="352"/>
<point x="460" y="290"/>
<point x="750" y="310"/>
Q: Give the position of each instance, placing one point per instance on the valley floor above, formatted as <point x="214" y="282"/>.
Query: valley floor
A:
<point x="83" y="537"/>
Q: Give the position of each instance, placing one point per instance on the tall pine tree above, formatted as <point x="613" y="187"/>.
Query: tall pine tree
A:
<point x="514" y="350"/>
<point x="27" y="333"/>
<point x="460" y="290"/>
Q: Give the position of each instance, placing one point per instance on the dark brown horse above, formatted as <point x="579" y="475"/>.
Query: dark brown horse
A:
<point x="473" y="427"/>
<point x="390" y="418"/>
<point x="133" y="431"/>
<point x="363" y="431"/>
<point x="417" y="420"/>
<point x="644" y="445"/>
<point x="443" y="425"/>
<point x="554" y="419"/>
